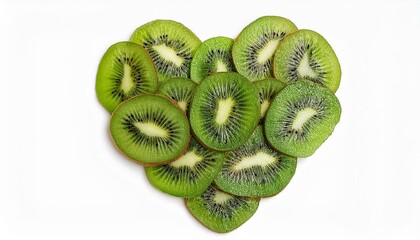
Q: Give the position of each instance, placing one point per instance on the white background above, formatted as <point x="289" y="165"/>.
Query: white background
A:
<point x="61" y="177"/>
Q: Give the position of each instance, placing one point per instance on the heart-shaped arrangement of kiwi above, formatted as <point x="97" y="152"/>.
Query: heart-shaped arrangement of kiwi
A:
<point x="222" y="122"/>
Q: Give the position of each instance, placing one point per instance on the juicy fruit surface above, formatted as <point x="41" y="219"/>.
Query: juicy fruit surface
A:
<point x="150" y="129"/>
<point x="125" y="71"/>
<point x="213" y="55"/>
<point x="307" y="55"/>
<point x="254" y="104"/>
<point x="180" y="90"/>
<point x="190" y="175"/>
<point x="254" y="48"/>
<point x="221" y="212"/>
<point x="267" y="90"/>
<point x="224" y="111"/>
<point x="255" y="169"/>
<point x="301" y="117"/>
<point x="171" y="46"/>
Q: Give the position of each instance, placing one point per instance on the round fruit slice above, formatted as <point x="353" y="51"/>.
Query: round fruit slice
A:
<point x="221" y="212"/>
<point x="268" y="89"/>
<point x="307" y="55"/>
<point x="171" y="46"/>
<point x="179" y="90"/>
<point x="125" y="71"/>
<point x="150" y="129"/>
<point x="213" y="55"/>
<point x="254" y="48"/>
<point x="224" y="111"/>
<point x="301" y="117"/>
<point x="255" y="169"/>
<point x="190" y="175"/>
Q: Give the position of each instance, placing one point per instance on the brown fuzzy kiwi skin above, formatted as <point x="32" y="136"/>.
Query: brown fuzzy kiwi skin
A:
<point x="201" y="143"/>
<point x="185" y="203"/>
<point x="150" y="164"/>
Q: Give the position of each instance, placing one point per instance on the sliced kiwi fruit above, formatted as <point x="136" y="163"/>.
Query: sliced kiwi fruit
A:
<point x="224" y="111"/>
<point x="267" y="89"/>
<point x="301" y="117"/>
<point x="305" y="54"/>
<point x="125" y="70"/>
<point x="254" y="47"/>
<point x="171" y="46"/>
<point x="221" y="212"/>
<point x="255" y="169"/>
<point x="179" y="90"/>
<point x="150" y="129"/>
<point x="213" y="55"/>
<point x="190" y="175"/>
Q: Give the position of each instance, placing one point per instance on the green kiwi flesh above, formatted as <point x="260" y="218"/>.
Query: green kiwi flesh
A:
<point x="125" y="71"/>
<point x="221" y="212"/>
<point x="254" y="48"/>
<point x="224" y="111"/>
<point x="190" y="175"/>
<point x="213" y="55"/>
<point x="171" y="46"/>
<point x="150" y="129"/>
<point x="267" y="89"/>
<point x="255" y="169"/>
<point x="305" y="54"/>
<point x="301" y="117"/>
<point x="179" y="90"/>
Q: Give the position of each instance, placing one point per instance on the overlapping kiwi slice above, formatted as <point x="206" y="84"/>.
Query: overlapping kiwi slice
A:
<point x="150" y="129"/>
<point x="190" y="175"/>
<point x="305" y="54"/>
<point x="125" y="70"/>
<point x="255" y="169"/>
<point x="267" y="90"/>
<point x="224" y="111"/>
<point x="248" y="127"/>
<point x="213" y="55"/>
<point x="171" y="46"/>
<point x="301" y="117"/>
<point x="254" y="47"/>
<point x="179" y="90"/>
<point x="221" y="212"/>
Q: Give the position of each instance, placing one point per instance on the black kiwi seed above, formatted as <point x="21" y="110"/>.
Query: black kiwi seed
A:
<point x="171" y="46"/>
<point x="254" y="48"/>
<point x="305" y="54"/>
<point x="220" y="211"/>
<point x="125" y="71"/>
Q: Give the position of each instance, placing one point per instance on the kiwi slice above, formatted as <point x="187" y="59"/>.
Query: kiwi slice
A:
<point x="224" y="111"/>
<point x="125" y="70"/>
<point x="301" y="117"/>
<point x="190" y="175"/>
<point x="268" y="89"/>
<point x="221" y="212"/>
<point x="150" y="129"/>
<point x="305" y="54"/>
<point x="179" y="90"/>
<point x="171" y="46"/>
<point x="213" y="55"/>
<point x="254" y="47"/>
<point x="255" y="169"/>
